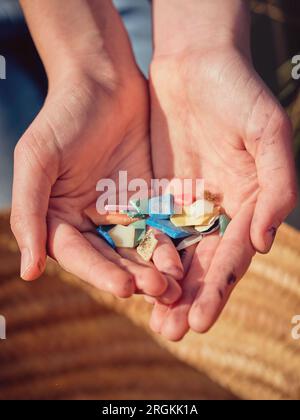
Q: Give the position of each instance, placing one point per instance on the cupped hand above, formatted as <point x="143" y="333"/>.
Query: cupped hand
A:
<point x="86" y="131"/>
<point x="213" y="118"/>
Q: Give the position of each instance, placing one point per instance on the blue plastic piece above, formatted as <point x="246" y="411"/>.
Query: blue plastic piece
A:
<point x="168" y="228"/>
<point x="224" y="222"/>
<point x="103" y="231"/>
<point x="161" y="207"/>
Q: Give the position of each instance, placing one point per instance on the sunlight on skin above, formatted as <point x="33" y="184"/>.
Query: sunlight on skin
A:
<point x="75" y="141"/>
<point x="213" y="118"/>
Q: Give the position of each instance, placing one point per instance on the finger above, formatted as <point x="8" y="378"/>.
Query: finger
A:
<point x="176" y="325"/>
<point x="167" y="261"/>
<point x="160" y="311"/>
<point x="77" y="255"/>
<point x="148" y="279"/>
<point x="166" y="257"/>
<point x="157" y="318"/>
<point x="172" y="293"/>
<point x="31" y="190"/>
<point x="150" y="299"/>
<point x="229" y="263"/>
<point x="277" y="196"/>
<point x="186" y="256"/>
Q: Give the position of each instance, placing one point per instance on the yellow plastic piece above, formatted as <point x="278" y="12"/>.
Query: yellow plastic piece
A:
<point x="185" y="220"/>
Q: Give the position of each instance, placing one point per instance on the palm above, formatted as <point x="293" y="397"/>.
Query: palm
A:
<point x="102" y="146"/>
<point x="93" y="133"/>
<point x="210" y="121"/>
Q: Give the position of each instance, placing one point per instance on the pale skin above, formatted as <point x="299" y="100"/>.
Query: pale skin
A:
<point x="210" y="114"/>
<point x="94" y="123"/>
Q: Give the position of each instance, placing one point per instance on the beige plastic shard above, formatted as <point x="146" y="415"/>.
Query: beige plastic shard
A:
<point x="147" y="246"/>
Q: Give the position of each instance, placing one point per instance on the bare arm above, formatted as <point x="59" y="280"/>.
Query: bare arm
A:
<point x="180" y="26"/>
<point x="78" y="34"/>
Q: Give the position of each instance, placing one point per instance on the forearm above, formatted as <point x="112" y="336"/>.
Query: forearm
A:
<point x="78" y="33"/>
<point x="182" y="26"/>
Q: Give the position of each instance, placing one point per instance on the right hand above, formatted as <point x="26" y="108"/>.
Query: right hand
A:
<point x="86" y="131"/>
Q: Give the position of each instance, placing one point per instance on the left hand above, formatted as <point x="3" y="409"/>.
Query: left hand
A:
<point x="213" y="118"/>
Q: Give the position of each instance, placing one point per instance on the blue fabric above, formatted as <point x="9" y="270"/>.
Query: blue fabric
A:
<point x="136" y="15"/>
<point x="23" y="92"/>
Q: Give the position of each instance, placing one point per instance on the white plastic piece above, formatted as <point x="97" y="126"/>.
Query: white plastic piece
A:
<point x="201" y="208"/>
<point x="191" y="240"/>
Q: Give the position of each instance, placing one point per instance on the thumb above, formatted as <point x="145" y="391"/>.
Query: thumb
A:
<point x="277" y="181"/>
<point x="33" y="179"/>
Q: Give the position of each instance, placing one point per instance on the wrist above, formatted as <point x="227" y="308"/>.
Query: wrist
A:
<point x="69" y="68"/>
<point x="85" y="38"/>
<point x="181" y="28"/>
<point x="102" y="56"/>
<point x="173" y="76"/>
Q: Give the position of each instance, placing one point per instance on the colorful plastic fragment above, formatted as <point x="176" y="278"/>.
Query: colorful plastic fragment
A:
<point x="206" y="226"/>
<point x="128" y="236"/>
<point x="200" y="208"/>
<point x="134" y="215"/>
<point x="112" y="218"/>
<point x="103" y="232"/>
<point x="140" y="206"/>
<point x="210" y="229"/>
<point x="161" y="207"/>
<point x="147" y="246"/>
<point x="191" y="240"/>
<point x="224" y="222"/>
<point x="127" y="228"/>
<point x="168" y="228"/>
<point x="186" y="220"/>
<point x="140" y="229"/>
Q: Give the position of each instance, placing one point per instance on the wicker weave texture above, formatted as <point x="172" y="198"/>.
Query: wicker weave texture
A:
<point x="62" y="344"/>
<point x="250" y="351"/>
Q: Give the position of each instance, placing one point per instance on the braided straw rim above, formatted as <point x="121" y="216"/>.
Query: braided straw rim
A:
<point x="250" y="351"/>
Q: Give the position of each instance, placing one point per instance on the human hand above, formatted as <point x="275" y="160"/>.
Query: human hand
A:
<point x="213" y="118"/>
<point x="93" y="124"/>
<point x="74" y="142"/>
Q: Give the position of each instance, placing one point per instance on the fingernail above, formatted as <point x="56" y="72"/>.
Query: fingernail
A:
<point x="26" y="261"/>
<point x="271" y="233"/>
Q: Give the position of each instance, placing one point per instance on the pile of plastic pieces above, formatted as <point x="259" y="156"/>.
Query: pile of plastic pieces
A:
<point x="132" y="226"/>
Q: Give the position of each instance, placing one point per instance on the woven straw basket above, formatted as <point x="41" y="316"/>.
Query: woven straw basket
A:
<point x="68" y="340"/>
